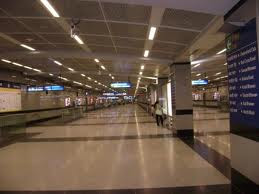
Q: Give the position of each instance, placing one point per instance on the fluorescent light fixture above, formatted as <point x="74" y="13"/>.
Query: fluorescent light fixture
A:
<point x="102" y="67"/>
<point x="27" y="67"/>
<point x="57" y="62"/>
<point x="51" y="74"/>
<point x="78" y="39"/>
<point x="70" y="69"/>
<point x="50" y="8"/>
<point x="88" y="86"/>
<point x="146" y="53"/>
<point x="17" y="64"/>
<point x="206" y="77"/>
<point x="139" y="78"/>
<point x="140" y="73"/>
<point x="142" y="67"/>
<point x="196" y="65"/>
<point x="112" y="77"/>
<point x="77" y="83"/>
<point x="99" y="83"/>
<point x="222" y="51"/>
<point x="37" y="70"/>
<point x="198" y="74"/>
<point x="89" y="78"/>
<point x="4" y="60"/>
<point x="28" y="47"/>
<point x="95" y="81"/>
<point x="83" y="75"/>
<point x="96" y="60"/>
<point x="152" y="33"/>
<point x="218" y="73"/>
<point x="226" y="64"/>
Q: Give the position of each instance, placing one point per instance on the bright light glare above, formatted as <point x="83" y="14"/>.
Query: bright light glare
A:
<point x="50" y="8"/>
<point x="146" y="53"/>
<point x="152" y="33"/>
<point x="222" y="51"/>
<point x="78" y="39"/>
<point x="28" y="47"/>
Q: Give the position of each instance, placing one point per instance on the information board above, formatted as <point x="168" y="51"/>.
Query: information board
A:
<point x="243" y="71"/>
<point x="10" y="99"/>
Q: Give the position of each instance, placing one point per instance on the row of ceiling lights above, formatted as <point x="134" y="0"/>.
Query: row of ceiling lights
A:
<point x="151" y="36"/>
<point x="60" y="77"/>
<point x="54" y="13"/>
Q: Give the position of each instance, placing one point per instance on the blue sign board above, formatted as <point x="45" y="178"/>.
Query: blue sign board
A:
<point x="243" y="71"/>
<point x="200" y="82"/>
<point x="45" y="88"/>
<point x="121" y="85"/>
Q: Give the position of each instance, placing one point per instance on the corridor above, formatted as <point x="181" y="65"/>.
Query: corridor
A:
<point x="114" y="150"/>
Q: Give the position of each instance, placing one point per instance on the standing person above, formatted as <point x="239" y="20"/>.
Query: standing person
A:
<point x="159" y="113"/>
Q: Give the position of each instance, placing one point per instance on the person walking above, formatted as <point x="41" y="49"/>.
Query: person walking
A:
<point x="159" y="113"/>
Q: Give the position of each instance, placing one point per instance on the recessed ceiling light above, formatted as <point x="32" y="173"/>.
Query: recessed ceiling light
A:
<point x="37" y="70"/>
<point x="89" y="78"/>
<point x="112" y="77"/>
<point x="50" y="8"/>
<point x="13" y="76"/>
<point x="222" y="51"/>
<point x="102" y="67"/>
<point x="78" y="39"/>
<point x="152" y="33"/>
<point x="17" y="64"/>
<point x="218" y="73"/>
<point x="88" y="86"/>
<point x="70" y="69"/>
<point x="146" y="53"/>
<point x="198" y="74"/>
<point x="96" y="60"/>
<point x="95" y="81"/>
<point x="28" y="47"/>
<point x="57" y="62"/>
<point x="83" y="75"/>
<point x="27" y="67"/>
<point x="142" y="67"/>
<point x="140" y="73"/>
<point x="196" y="65"/>
<point x="226" y="64"/>
<point x="4" y="60"/>
<point x="51" y="74"/>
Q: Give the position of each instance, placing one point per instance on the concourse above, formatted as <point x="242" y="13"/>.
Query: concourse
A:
<point x="129" y="97"/>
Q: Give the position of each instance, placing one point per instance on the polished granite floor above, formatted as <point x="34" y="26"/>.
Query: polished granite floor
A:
<point x="114" y="149"/>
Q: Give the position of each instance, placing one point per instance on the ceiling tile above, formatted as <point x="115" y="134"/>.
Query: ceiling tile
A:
<point x="44" y="47"/>
<point x="186" y="19"/>
<point x="8" y="25"/>
<point x="78" y="9"/>
<point x="101" y="40"/>
<point x="172" y="35"/>
<point x="130" y="51"/>
<point x="59" y="38"/>
<point x="127" y="12"/>
<point x="28" y="38"/>
<point x="167" y="47"/>
<point x="128" y="30"/>
<point x="43" y="25"/>
<point x="89" y="27"/>
<point x="161" y="55"/>
<point x="102" y="49"/>
<point x="127" y="42"/>
<point x="27" y="8"/>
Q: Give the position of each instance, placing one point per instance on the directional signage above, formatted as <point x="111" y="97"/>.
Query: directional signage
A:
<point x="45" y="88"/>
<point x="121" y="85"/>
<point x="200" y="82"/>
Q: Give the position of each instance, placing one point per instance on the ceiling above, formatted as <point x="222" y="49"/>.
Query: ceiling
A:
<point x="114" y="33"/>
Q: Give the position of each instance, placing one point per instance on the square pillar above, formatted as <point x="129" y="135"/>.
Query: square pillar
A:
<point x="182" y="106"/>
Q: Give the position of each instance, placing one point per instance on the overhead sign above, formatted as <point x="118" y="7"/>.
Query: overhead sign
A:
<point x="6" y="84"/>
<point x="121" y="85"/>
<point x="45" y="88"/>
<point x="200" y="82"/>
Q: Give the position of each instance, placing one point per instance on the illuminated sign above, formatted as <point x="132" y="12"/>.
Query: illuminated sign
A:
<point x="115" y="94"/>
<point x="121" y="85"/>
<point x="200" y="82"/>
<point x="45" y="88"/>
